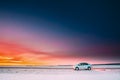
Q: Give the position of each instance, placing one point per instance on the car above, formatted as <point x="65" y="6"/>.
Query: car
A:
<point x="82" y="66"/>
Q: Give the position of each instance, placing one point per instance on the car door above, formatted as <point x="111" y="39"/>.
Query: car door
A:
<point x="84" y="65"/>
<point x="81" y="66"/>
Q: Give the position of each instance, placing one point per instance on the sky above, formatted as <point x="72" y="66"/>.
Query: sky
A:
<point x="59" y="32"/>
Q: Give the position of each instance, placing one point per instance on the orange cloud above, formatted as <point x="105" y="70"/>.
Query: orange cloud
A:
<point x="15" y="54"/>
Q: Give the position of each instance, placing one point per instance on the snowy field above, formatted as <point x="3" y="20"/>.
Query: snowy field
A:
<point x="99" y="72"/>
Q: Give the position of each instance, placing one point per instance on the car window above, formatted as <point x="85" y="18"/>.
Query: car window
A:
<point x="83" y="63"/>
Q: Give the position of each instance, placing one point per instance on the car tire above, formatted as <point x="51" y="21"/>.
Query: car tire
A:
<point x="76" y="68"/>
<point x="89" y="68"/>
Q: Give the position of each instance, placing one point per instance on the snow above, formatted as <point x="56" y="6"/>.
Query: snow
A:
<point x="59" y="74"/>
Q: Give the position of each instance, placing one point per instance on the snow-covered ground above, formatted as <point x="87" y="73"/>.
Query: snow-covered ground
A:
<point x="60" y="74"/>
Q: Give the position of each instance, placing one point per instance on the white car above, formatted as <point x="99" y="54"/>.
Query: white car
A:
<point x="82" y="66"/>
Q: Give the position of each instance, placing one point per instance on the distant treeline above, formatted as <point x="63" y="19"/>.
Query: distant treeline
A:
<point x="108" y="64"/>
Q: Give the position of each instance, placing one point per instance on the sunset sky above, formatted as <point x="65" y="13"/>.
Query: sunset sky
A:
<point x="59" y="32"/>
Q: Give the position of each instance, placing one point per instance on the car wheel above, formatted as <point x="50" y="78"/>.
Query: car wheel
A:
<point x="89" y="68"/>
<point x="77" y="68"/>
